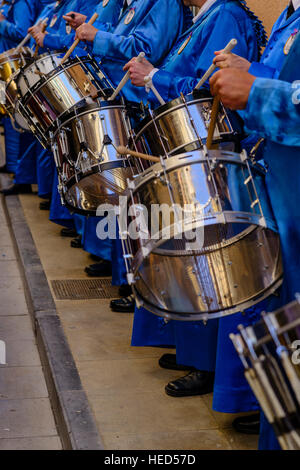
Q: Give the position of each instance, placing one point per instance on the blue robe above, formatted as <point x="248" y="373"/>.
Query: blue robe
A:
<point x="210" y="33"/>
<point x="275" y="106"/>
<point x="20" y="15"/>
<point x="154" y="28"/>
<point x="197" y="345"/>
<point x="36" y="164"/>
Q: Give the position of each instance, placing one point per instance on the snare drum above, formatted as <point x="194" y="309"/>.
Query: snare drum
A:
<point x="200" y="240"/>
<point x="47" y="95"/>
<point x="10" y="64"/>
<point x="268" y="351"/>
<point x="90" y="170"/>
<point x="182" y="126"/>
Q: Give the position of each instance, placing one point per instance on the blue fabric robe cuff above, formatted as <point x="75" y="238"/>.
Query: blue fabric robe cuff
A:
<point x="51" y="41"/>
<point x="162" y="81"/>
<point x="101" y="43"/>
<point x="4" y="25"/>
<point x="260" y="70"/>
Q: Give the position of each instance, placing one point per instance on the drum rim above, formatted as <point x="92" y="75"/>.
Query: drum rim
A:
<point x="187" y="317"/>
<point x="182" y="160"/>
<point x="98" y="169"/>
<point x="249" y="219"/>
<point x="70" y="115"/>
<point x="51" y="75"/>
<point x="41" y="57"/>
<point x="14" y="56"/>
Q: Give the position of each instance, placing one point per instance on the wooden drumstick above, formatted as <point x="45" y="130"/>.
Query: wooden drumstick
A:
<point x="125" y="151"/>
<point x="26" y="39"/>
<point x="77" y="41"/>
<point x="230" y="46"/>
<point x="44" y="27"/>
<point x="154" y="90"/>
<point x="125" y="79"/>
<point x="213" y="122"/>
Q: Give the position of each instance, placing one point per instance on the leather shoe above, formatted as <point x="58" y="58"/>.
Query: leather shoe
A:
<point x="102" y="269"/>
<point x="168" y="361"/>
<point x="247" y="424"/>
<point x="76" y="242"/>
<point x="45" y="205"/>
<point x="3" y="169"/>
<point x="68" y="232"/>
<point x="17" y="189"/>
<point x="124" y="305"/>
<point x="125" y="291"/>
<point x="195" y="383"/>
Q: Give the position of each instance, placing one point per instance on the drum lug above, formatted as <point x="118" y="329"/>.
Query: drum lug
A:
<point x="263" y="222"/>
<point x="145" y="251"/>
<point x="244" y="155"/>
<point x="130" y="279"/>
<point x="130" y="184"/>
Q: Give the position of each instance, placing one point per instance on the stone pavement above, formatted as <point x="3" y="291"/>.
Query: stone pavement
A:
<point x="26" y="418"/>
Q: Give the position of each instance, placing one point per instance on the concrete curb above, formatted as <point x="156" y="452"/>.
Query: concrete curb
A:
<point x="74" y="419"/>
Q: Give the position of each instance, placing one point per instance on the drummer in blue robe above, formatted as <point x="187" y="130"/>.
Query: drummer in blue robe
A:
<point x="36" y="164"/>
<point x="85" y="227"/>
<point x="149" y="26"/>
<point x="272" y="111"/>
<point x="196" y="345"/>
<point x="15" y="20"/>
<point x="231" y="392"/>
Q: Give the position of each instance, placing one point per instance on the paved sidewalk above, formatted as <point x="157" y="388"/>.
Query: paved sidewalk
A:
<point x="26" y="418"/>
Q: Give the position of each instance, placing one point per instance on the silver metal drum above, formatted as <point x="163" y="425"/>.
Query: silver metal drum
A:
<point x="182" y="126"/>
<point x="204" y="241"/>
<point x="269" y="351"/>
<point x="10" y="64"/>
<point x="90" y="170"/>
<point x="46" y="100"/>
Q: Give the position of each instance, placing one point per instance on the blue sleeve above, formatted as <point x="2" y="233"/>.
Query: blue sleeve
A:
<point x="23" y="17"/>
<point x="56" y="41"/>
<point x="264" y="71"/>
<point x="273" y="111"/>
<point x="213" y="37"/>
<point x="155" y="35"/>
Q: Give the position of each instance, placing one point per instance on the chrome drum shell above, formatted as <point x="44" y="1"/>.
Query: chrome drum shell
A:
<point x="56" y="92"/>
<point x="11" y="63"/>
<point x="182" y="126"/>
<point x="91" y="172"/>
<point x="239" y="262"/>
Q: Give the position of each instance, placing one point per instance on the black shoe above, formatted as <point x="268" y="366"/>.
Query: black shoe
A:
<point x="45" y="205"/>
<point x="17" y="189"/>
<point x="3" y="169"/>
<point x="68" y="232"/>
<point x="124" y="305"/>
<point x="102" y="269"/>
<point x="247" y="424"/>
<point x="125" y="291"/>
<point x="168" y="361"/>
<point x="76" y="242"/>
<point x="195" y="383"/>
<point x="95" y="258"/>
